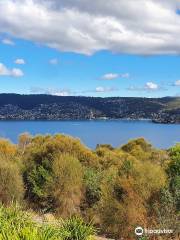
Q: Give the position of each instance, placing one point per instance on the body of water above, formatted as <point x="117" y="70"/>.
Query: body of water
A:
<point x="92" y="132"/>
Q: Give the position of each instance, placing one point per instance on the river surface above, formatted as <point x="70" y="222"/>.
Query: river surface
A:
<point x="92" y="132"/>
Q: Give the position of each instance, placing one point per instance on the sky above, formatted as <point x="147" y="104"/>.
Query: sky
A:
<point x="90" y="48"/>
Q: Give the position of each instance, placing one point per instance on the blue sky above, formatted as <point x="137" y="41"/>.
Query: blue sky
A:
<point x="63" y="66"/>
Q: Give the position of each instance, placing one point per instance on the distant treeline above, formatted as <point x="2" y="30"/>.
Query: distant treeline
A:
<point x="30" y="107"/>
<point x="33" y="100"/>
<point x="116" y="188"/>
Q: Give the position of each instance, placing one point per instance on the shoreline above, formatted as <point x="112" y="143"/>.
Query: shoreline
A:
<point x="90" y="120"/>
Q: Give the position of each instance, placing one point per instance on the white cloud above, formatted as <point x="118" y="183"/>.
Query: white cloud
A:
<point x="14" y="72"/>
<point x="105" y="89"/>
<point x="125" y="75"/>
<point x="3" y="70"/>
<point x="54" y="61"/>
<point x="50" y="91"/>
<point x="59" y="93"/>
<point x="20" y="61"/>
<point x="137" y="27"/>
<point x="112" y="76"/>
<point x="8" y="42"/>
<point x="177" y="83"/>
<point x="151" y="86"/>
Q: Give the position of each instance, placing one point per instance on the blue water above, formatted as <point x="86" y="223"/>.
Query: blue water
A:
<point x="115" y="132"/>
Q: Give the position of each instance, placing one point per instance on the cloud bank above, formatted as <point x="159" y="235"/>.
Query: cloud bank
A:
<point x="68" y="92"/>
<point x="144" y="27"/>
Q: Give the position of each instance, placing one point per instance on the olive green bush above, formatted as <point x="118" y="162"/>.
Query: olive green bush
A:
<point x="66" y="185"/>
<point x="11" y="181"/>
<point x="119" y="188"/>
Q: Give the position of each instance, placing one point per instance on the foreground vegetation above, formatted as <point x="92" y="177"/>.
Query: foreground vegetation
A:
<point x="18" y="225"/>
<point x="115" y="188"/>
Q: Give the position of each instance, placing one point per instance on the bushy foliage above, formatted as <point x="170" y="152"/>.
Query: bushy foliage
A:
<point x="92" y="180"/>
<point x="173" y="171"/>
<point x="166" y="215"/>
<point x="166" y="202"/>
<point x="11" y="182"/>
<point x="53" y="178"/>
<point x="137" y="144"/>
<point x="119" y="188"/>
<point x="7" y="150"/>
<point x="128" y="184"/>
<point x="66" y="185"/>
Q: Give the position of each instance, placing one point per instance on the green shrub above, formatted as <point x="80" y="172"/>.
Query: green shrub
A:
<point x="18" y="225"/>
<point x="77" y="229"/>
<point x="132" y="144"/>
<point x="15" y="223"/>
<point x="46" y="160"/>
<point x="173" y="171"/>
<point x="66" y="186"/>
<point x="92" y="180"/>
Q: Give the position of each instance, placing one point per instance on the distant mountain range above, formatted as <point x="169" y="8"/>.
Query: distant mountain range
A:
<point x="48" y="107"/>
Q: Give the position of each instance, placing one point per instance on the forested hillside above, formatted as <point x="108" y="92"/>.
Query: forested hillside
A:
<point x="48" y="107"/>
<point x="116" y="189"/>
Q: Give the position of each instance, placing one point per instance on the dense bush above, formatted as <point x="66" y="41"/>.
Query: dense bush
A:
<point x="173" y="169"/>
<point x="167" y="206"/>
<point x="119" y="188"/>
<point x="66" y="185"/>
<point x="11" y="182"/>
<point x="53" y="178"/>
